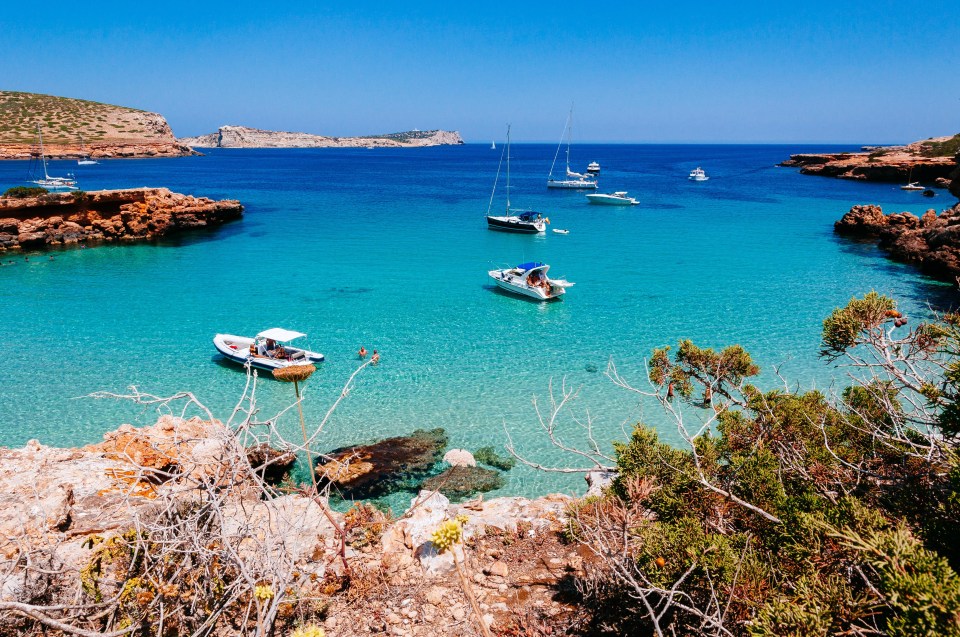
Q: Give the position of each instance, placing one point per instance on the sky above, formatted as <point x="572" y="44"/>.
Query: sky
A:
<point x="690" y="72"/>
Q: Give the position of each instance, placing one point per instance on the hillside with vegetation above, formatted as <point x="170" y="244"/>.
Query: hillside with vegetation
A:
<point x="69" y="124"/>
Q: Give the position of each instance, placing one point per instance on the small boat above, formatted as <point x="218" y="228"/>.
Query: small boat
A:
<point x="48" y="182"/>
<point x="593" y="168"/>
<point x="573" y="180"/>
<point x="561" y="231"/>
<point x="267" y="350"/>
<point x="493" y="145"/>
<point x="523" y="221"/>
<point x="85" y="160"/>
<point x="913" y="185"/>
<point x="697" y="174"/>
<point x="531" y="280"/>
<point x="618" y="198"/>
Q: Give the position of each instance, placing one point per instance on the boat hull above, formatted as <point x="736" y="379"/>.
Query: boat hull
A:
<point x="537" y="294"/>
<point x="510" y="224"/>
<point x="607" y="200"/>
<point x="572" y="184"/>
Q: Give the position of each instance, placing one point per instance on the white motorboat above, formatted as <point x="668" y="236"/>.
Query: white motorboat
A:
<point x="48" y="182"/>
<point x="530" y="280"/>
<point x="267" y="350"/>
<point x="913" y="185"/>
<point x="593" y="168"/>
<point x="522" y="221"/>
<point x="618" y="198"/>
<point x="697" y="174"/>
<point x="572" y="180"/>
<point x="561" y="231"/>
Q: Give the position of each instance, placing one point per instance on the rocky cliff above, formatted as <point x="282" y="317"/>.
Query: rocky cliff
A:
<point x="245" y="137"/>
<point x="73" y="128"/>
<point x="931" y="242"/>
<point x="928" y="161"/>
<point x="171" y="525"/>
<point x="139" y="214"/>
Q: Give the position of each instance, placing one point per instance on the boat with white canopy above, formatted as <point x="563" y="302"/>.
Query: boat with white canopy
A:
<point x="530" y="280"/>
<point x="697" y="174"/>
<point x="268" y="350"/>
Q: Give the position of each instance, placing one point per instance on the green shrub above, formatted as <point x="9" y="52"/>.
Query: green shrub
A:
<point x="23" y="192"/>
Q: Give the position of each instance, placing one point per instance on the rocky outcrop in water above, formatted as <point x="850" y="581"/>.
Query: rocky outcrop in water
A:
<point x="140" y="214"/>
<point x="245" y="137"/>
<point x="931" y="242"/>
<point x="926" y="161"/>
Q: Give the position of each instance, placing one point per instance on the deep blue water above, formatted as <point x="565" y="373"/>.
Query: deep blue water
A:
<point x="388" y="249"/>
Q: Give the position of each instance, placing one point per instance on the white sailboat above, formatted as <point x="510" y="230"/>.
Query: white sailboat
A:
<point x="493" y="145"/>
<point x="85" y="159"/>
<point x="48" y="182"/>
<point x="572" y="180"/>
<point x="523" y="221"/>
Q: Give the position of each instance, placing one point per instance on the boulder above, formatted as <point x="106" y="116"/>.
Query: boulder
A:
<point x="460" y="481"/>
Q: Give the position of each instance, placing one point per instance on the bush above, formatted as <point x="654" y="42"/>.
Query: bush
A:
<point x="23" y="192"/>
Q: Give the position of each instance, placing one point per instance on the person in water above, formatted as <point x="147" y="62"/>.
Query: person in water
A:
<point x="375" y="358"/>
<point x="363" y="352"/>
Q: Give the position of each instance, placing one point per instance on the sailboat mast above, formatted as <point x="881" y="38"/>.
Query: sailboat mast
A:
<point x="508" y="169"/>
<point x="569" y="135"/>
<point x="43" y="157"/>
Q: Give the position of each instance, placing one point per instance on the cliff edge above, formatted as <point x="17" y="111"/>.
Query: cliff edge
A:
<point x="246" y="137"/>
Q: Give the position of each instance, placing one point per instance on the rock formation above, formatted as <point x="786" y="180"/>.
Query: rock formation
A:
<point x="74" y="128"/>
<point x="245" y="137"/>
<point x="931" y="242"/>
<point x="925" y="161"/>
<point x="140" y="214"/>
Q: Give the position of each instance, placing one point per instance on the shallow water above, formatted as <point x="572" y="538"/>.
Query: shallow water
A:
<point x="388" y="249"/>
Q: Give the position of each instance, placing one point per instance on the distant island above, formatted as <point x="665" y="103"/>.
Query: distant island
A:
<point x="246" y="137"/>
<point x="929" y="160"/>
<point x="73" y="128"/>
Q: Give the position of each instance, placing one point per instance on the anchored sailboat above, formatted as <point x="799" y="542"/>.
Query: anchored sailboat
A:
<point x="85" y="159"/>
<point x="573" y="180"/>
<point x="48" y="182"/>
<point x="525" y="221"/>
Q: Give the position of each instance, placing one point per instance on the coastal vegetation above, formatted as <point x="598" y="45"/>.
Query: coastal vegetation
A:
<point x="65" y="120"/>
<point x="943" y="147"/>
<point x="24" y="192"/>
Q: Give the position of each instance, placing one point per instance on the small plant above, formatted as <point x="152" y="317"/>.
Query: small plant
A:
<point x="24" y="192"/>
<point x="309" y="630"/>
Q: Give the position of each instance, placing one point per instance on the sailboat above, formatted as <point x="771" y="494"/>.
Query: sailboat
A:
<point x="911" y="185"/>
<point x="48" y="182"/>
<point x="573" y="180"/>
<point x="524" y="221"/>
<point x="493" y="145"/>
<point x="85" y="159"/>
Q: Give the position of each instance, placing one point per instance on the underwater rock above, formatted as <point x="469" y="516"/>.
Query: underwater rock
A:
<point x="461" y="481"/>
<point x="369" y="471"/>
<point x="489" y="457"/>
<point x="590" y="367"/>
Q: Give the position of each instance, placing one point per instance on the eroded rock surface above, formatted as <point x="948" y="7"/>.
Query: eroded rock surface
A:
<point x="246" y="137"/>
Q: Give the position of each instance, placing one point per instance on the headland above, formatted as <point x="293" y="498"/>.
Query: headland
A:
<point x="246" y="137"/>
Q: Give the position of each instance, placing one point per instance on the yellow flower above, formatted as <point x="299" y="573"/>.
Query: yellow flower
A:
<point x="447" y="534"/>
<point x="310" y="630"/>
<point x="462" y="519"/>
<point x="262" y="592"/>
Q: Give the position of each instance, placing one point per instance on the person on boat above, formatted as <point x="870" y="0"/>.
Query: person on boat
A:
<point x="375" y="358"/>
<point x="280" y="352"/>
<point x="363" y="352"/>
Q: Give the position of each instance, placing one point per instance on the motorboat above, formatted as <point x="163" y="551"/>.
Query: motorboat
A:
<point x="697" y="174"/>
<point x="561" y="231"/>
<point x="268" y="350"/>
<point x="913" y="185"/>
<point x="522" y="221"/>
<point x="48" y="182"/>
<point x="618" y="198"/>
<point x="593" y="168"/>
<point x="530" y="280"/>
<point x="571" y="180"/>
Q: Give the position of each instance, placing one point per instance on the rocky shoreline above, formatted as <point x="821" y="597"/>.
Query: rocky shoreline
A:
<point x="929" y="161"/>
<point x="139" y="214"/>
<point x="78" y="511"/>
<point x="107" y="150"/>
<point x="246" y="137"/>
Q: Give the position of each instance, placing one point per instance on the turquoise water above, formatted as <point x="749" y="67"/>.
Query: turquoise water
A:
<point x="388" y="249"/>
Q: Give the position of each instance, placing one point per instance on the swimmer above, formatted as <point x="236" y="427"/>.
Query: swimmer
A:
<point x="363" y="352"/>
<point x="375" y="358"/>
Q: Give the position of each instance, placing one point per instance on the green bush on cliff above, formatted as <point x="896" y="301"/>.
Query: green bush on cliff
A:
<point x="946" y="148"/>
<point x="793" y="514"/>
<point x="24" y="192"/>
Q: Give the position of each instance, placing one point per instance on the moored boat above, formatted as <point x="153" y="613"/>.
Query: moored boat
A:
<point x="48" y="182"/>
<point x="268" y="350"/>
<point x="913" y="185"/>
<point x="530" y="280"/>
<point x="593" y="167"/>
<point x="697" y="174"/>
<point x="618" y="198"/>
<point x="573" y="180"/>
<point x="522" y="221"/>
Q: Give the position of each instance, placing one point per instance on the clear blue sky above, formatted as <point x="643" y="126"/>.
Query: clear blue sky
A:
<point x="844" y="71"/>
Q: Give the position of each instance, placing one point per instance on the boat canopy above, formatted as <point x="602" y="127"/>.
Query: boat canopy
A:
<point x="280" y="334"/>
<point x="530" y="265"/>
<point x="528" y="215"/>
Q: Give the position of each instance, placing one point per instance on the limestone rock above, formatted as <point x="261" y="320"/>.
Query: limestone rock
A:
<point x="246" y="137"/>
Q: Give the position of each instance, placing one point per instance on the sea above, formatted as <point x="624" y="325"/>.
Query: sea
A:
<point x="388" y="249"/>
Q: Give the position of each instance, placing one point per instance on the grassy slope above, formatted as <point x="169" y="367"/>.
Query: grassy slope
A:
<point x="65" y="119"/>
